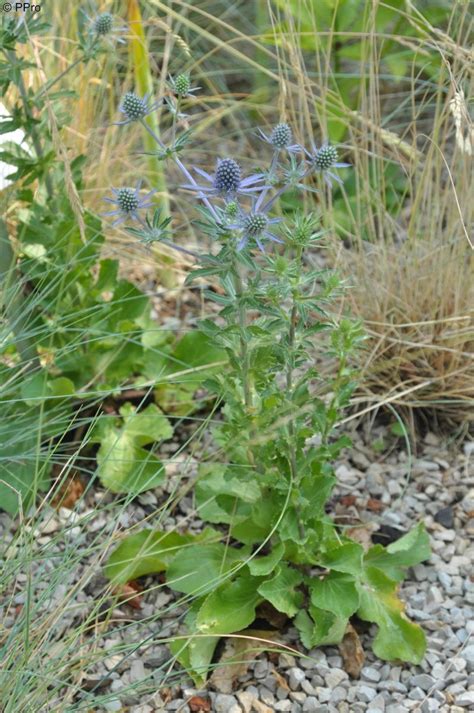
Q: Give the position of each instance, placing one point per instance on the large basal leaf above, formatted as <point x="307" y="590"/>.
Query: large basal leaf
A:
<point x="123" y="465"/>
<point x="200" y="568"/>
<point x="345" y="558"/>
<point x="281" y="590"/>
<point x="397" y="637"/>
<point x="147" y="552"/>
<point x="229" y="608"/>
<point x="409" y="550"/>
<point x="336" y="593"/>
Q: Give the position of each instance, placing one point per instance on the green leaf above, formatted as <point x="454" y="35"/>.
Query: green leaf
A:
<point x="200" y="568"/>
<point x="346" y="558"/>
<point x="337" y="593"/>
<point x="123" y="465"/>
<point x="281" y="590"/>
<point x="195" y="350"/>
<point x="409" y="550"/>
<point x="146" y="426"/>
<point x="230" y="608"/>
<point x="322" y="628"/>
<point x="262" y="566"/>
<point x="196" y="652"/>
<point x="108" y="271"/>
<point x="147" y="552"/>
<point x="397" y="637"/>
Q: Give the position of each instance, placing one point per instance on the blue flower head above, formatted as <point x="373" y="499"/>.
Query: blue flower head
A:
<point x="323" y="159"/>
<point x="136" y="108"/>
<point x="104" y="26"/>
<point x="280" y="137"/>
<point x="254" y="225"/>
<point x="103" y="23"/>
<point x="128" y="202"/>
<point x="227" y="181"/>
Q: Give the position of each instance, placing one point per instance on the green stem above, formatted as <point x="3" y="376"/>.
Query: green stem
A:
<point x="55" y="80"/>
<point x="32" y="130"/>
<point x="244" y="352"/>
<point x="13" y="301"/>
<point x="289" y="390"/>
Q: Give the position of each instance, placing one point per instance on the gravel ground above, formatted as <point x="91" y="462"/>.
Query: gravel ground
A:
<point x="377" y="487"/>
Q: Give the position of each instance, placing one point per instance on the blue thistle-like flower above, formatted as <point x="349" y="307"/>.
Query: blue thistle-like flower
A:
<point x="254" y="225"/>
<point x="227" y="181"/>
<point x="280" y="137"/>
<point x="136" y="108"/>
<point x="103" y="23"/>
<point x="128" y="202"/>
<point x="323" y="159"/>
<point x="104" y="26"/>
<point x="228" y="176"/>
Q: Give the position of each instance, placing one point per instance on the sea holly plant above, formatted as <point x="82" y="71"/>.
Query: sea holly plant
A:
<point x="271" y="538"/>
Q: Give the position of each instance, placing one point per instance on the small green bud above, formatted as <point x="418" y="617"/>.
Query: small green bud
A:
<point x="182" y="85"/>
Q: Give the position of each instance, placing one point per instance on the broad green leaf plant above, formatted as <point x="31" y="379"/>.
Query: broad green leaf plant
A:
<point x="265" y="498"/>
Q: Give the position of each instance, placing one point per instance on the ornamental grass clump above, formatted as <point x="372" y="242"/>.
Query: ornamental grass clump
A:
<point x="269" y="536"/>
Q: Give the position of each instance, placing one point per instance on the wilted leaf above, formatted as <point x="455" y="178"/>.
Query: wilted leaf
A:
<point x="239" y="652"/>
<point x="352" y="652"/>
<point x="198" y="704"/>
<point x="129" y="594"/>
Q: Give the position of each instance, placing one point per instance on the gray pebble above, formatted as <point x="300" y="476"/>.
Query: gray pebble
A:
<point x="468" y="654"/>
<point x="430" y="706"/>
<point x="311" y="705"/>
<point x="224" y="703"/>
<point x="377" y="704"/>
<point x="465" y="699"/>
<point x="369" y="673"/>
<point x="416" y="694"/>
<point x="295" y="677"/>
<point x="392" y="686"/>
<point x="335" y="677"/>
<point x="365" y="693"/>
<point x="283" y="705"/>
<point x="423" y="680"/>
<point x="339" y="694"/>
